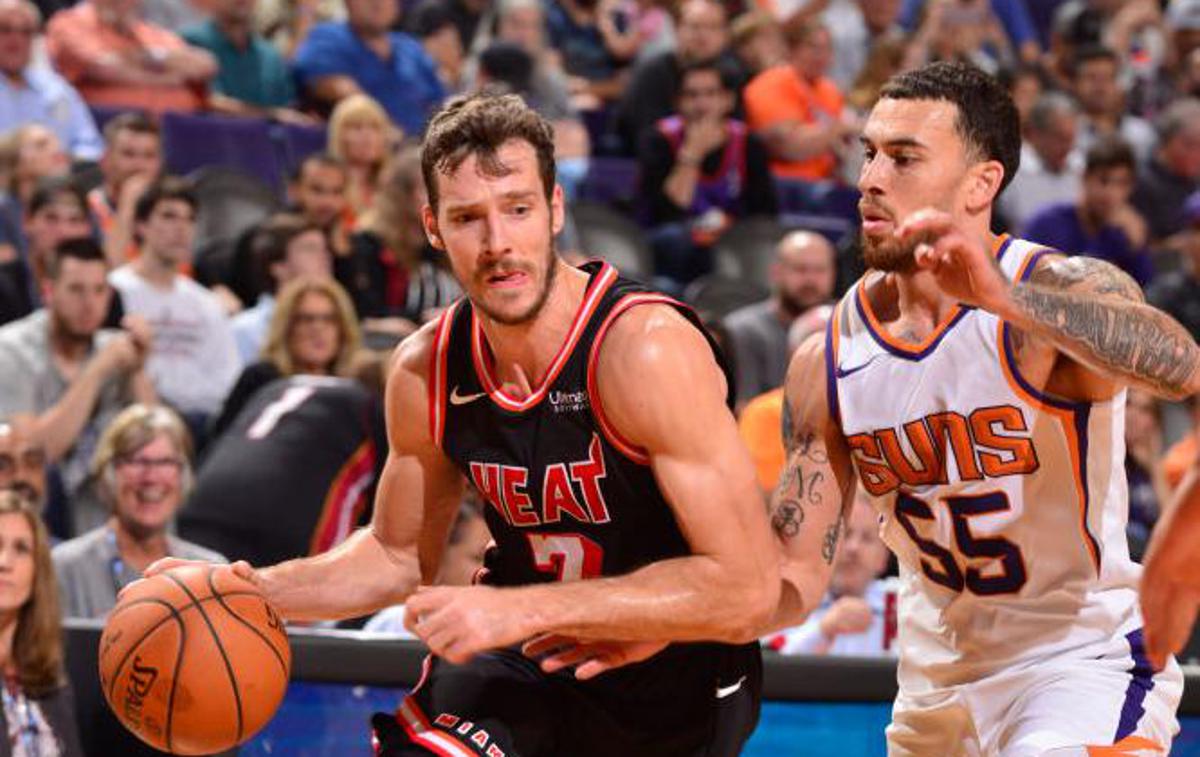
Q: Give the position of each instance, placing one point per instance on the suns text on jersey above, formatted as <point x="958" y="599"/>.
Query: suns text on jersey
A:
<point x="990" y="442"/>
<point x="568" y="489"/>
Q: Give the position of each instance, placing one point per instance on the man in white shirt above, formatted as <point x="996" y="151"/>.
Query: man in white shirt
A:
<point x="194" y="361"/>
<point x="1051" y="170"/>
<point x="858" y="614"/>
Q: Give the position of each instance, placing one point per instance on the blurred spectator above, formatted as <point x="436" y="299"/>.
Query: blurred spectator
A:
<point x="60" y="366"/>
<point x="35" y="94"/>
<point x="360" y="135"/>
<point x="961" y="30"/>
<point x="461" y="560"/>
<point x="144" y="467"/>
<point x="1051" y="169"/>
<point x="432" y="24"/>
<point x="1148" y="490"/>
<point x="1166" y="180"/>
<point x="392" y="274"/>
<point x="22" y="460"/>
<point x="28" y="154"/>
<point x="597" y="39"/>
<point x="364" y="55"/>
<point x="761" y="418"/>
<point x="313" y="331"/>
<point x="1013" y="15"/>
<point x="1183" y="22"/>
<point x="858" y="614"/>
<point x="118" y="60"/>
<point x="318" y="192"/>
<point x="798" y="111"/>
<point x="522" y="23"/>
<point x="803" y="275"/>
<point x="1100" y="223"/>
<point x="856" y="26"/>
<point x="194" y="360"/>
<point x="1025" y="84"/>
<point x="252" y="77"/>
<point x="758" y="42"/>
<point x="294" y="474"/>
<point x="885" y="60"/>
<point x="39" y="707"/>
<point x="1094" y="81"/>
<point x="283" y="248"/>
<point x="287" y="23"/>
<point x="133" y="157"/>
<point x="701" y="172"/>
<point x="1183" y="454"/>
<point x="1178" y="292"/>
<point x="465" y="15"/>
<point x="701" y="34"/>
<point x="56" y="211"/>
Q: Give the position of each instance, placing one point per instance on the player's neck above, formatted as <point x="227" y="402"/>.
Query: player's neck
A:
<point x="523" y="352"/>
<point x="922" y="304"/>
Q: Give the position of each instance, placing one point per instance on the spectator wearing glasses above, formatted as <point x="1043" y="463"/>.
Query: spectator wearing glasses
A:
<point x="313" y="331"/>
<point x="144" y="467"/>
<point x="35" y="94"/>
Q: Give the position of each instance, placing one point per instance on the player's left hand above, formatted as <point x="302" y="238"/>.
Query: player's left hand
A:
<point x="1170" y="588"/>
<point x="589" y="658"/>
<point x="961" y="265"/>
<point x="459" y="622"/>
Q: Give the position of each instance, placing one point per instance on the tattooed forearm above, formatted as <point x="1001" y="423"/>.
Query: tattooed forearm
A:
<point x="787" y="518"/>
<point x="830" y="542"/>
<point x="1115" y="336"/>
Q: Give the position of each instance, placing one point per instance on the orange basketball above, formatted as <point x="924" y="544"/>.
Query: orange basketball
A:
<point x="194" y="660"/>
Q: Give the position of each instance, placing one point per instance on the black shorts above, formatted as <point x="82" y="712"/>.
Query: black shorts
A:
<point x="698" y="700"/>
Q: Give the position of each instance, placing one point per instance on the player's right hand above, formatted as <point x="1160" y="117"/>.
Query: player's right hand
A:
<point x="589" y="658"/>
<point x="847" y="615"/>
<point x="241" y="569"/>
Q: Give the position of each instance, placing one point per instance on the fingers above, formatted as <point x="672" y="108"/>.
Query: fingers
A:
<point x="544" y="644"/>
<point x="927" y="222"/>
<point x="167" y="563"/>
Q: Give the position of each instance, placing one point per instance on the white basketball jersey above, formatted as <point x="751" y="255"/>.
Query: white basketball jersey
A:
<point x="1005" y="507"/>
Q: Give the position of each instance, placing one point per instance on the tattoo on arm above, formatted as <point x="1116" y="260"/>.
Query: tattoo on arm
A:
<point x="797" y="487"/>
<point x="830" y="542"/>
<point x="1120" y="336"/>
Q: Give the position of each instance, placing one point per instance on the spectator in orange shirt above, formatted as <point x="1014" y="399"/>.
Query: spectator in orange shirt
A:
<point x="116" y="59"/>
<point x="132" y="159"/>
<point x="798" y="111"/>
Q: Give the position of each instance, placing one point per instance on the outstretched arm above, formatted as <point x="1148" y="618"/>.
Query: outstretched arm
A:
<point x="661" y="389"/>
<point x="815" y="490"/>
<point x="1086" y="309"/>
<point x="1171" y="582"/>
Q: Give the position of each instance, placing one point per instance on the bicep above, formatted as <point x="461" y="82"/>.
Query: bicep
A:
<point x="415" y="505"/>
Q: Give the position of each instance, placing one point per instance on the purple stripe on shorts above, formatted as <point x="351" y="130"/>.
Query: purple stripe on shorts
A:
<point x="1140" y="683"/>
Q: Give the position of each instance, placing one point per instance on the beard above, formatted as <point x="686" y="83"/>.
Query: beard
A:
<point x="539" y="301"/>
<point x="888" y="254"/>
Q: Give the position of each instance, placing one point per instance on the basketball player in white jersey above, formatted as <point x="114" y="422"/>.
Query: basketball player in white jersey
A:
<point x="975" y="385"/>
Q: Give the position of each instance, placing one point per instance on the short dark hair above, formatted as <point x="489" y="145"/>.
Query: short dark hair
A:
<point x="725" y="73"/>
<point x="49" y="189"/>
<point x="83" y="249"/>
<point x="134" y="121"/>
<point x="166" y="188"/>
<point x="479" y="125"/>
<point x="987" y="119"/>
<point x="798" y="33"/>
<point x="1108" y="153"/>
<point x="319" y="158"/>
<point x="270" y="241"/>
<point x="1093" y="52"/>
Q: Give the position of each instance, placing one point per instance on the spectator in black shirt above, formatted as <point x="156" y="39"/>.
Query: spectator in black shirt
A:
<point x="1178" y="292"/>
<point x="701" y="172"/>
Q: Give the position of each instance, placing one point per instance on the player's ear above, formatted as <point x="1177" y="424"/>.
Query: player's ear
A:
<point x="429" y="222"/>
<point x="557" y="210"/>
<point x="983" y="184"/>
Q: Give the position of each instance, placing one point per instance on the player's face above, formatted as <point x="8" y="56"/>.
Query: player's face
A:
<point x="498" y="232"/>
<point x="862" y="556"/>
<point x="16" y="561"/>
<point x="149" y="487"/>
<point x="914" y="158"/>
<point x="315" y="335"/>
<point x="79" y="298"/>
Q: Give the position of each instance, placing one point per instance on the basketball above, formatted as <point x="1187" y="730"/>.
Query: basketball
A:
<point x="194" y="660"/>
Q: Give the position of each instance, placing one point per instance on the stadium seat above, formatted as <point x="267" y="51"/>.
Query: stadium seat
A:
<point x="298" y="142"/>
<point x="191" y="142"/>
<point x="105" y="113"/>
<point x="715" y="296"/>
<point x="231" y="201"/>
<point x="611" y="181"/>
<point x="746" y="251"/>
<point x="606" y="233"/>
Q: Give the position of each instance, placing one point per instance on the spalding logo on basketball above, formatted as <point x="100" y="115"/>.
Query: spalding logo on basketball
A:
<point x="194" y="660"/>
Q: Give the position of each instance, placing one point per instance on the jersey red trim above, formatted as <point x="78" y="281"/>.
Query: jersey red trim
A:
<point x="603" y="279"/>
<point x="344" y="501"/>
<point x="623" y="445"/>
<point x="437" y="375"/>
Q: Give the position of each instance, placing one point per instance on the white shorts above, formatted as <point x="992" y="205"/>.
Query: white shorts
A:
<point x="1063" y="707"/>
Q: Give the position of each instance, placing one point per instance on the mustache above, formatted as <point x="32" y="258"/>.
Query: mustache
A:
<point x="875" y="209"/>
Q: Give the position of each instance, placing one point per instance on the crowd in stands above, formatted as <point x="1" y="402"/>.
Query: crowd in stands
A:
<point x="183" y="334"/>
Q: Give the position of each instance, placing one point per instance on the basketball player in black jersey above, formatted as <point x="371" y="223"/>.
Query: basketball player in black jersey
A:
<point x="592" y="416"/>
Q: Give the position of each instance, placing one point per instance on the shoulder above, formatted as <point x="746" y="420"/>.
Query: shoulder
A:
<point x="124" y="278"/>
<point x="651" y="348"/>
<point x="83" y="549"/>
<point x="1084" y="275"/>
<point x="646" y="332"/>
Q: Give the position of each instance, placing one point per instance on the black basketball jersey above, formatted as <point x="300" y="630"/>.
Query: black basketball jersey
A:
<point x="567" y="497"/>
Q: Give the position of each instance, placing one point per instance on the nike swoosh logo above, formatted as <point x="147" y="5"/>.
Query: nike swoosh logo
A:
<point x="463" y="399"/>
<point x="725" y="691"/>
<point x="851" y="371"/>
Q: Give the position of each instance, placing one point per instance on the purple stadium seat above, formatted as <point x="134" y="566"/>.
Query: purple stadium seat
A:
<point x="192" y="141"/>
<point x="611" y="181"/>
<point x="299" y="142"/>
<point x="105" y="113"/>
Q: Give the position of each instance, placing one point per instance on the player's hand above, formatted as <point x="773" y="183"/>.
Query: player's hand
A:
<point x="846" y="615"/>
<point x="589" y="658"/>
<point x="1170" y="589"/>
<point x="459" y="622"/>
<point x="241" y="569"/>
<point x="961" y="265"/>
